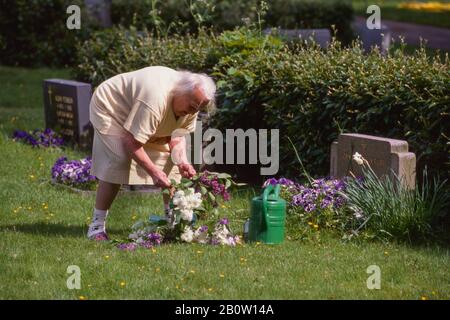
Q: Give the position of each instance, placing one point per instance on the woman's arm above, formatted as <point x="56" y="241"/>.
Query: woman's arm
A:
<point x="138" y="154"/>
<point x="177" y="147"/>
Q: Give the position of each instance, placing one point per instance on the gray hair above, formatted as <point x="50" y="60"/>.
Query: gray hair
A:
<point x="188" y="81"/>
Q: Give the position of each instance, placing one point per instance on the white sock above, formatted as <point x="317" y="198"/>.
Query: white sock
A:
<point x="98" y="222"/>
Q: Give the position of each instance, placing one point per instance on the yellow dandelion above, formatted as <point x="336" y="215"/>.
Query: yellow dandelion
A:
<point x="192" y="271"/>
<point x="310" y="223"/>
<point x="386" y="253"/>
<point x="157" y="269"/>
<point x="316" y="226"/>
<point x="433" y="293"/>
<point x="423" y="298"/>
<point x="32" y="176"/>
<point x="133" y="217"/>
<point x="82" y="297"/>
<point x="199" y="251"/>
<point x="122" y="284"/>
<point x="107" y="257"/>
<point x="15" y="210"/>
<point x="177" y="286"/>
<point x="29" y="208"/>
<point x="210" y="289"/>
<point x="222" y="275"/>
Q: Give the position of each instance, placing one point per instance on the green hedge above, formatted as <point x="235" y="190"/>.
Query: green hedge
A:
<point x="311" y="95"/>
<point x="119" y="50"/>
<point x="34" y="33"/>
<point x="227" y="14"/>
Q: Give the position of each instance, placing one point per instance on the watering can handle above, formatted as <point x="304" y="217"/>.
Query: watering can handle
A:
<point x="267" y="191"/>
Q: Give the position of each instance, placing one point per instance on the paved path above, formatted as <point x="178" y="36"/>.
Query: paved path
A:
<point x="438" y="38"/>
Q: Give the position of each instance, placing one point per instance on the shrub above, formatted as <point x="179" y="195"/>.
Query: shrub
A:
<point x="312" y="95"/>
<point x="120" y="50"/>
<point x="309" y="94"/>
<point x="222" y="15"/>
<point x="34" y="33"/>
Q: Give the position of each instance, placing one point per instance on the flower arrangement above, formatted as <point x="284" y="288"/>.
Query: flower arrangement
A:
<point x="191" y="200"/>
<point x="74" y="173"/>
<point x="38" y="138"/>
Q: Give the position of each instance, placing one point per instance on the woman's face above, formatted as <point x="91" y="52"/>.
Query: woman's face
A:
<point x="189" y="103"/>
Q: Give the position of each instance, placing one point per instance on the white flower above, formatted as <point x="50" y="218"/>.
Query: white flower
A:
<point x="186" y="214"/>
<point x="201" y="236"/>
<point x="221" y="234"/>
<point x="358" y="158"/>
<point x="187" y="235"/>
<point x="179" y="194"/>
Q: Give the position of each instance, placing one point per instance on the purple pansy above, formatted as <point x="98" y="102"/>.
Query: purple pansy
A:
<point x="73" y="172"/>
<point x="39" y="138"/>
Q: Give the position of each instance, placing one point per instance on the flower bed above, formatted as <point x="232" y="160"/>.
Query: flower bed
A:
<point x="39" y="138"/>
<point x="74" y="173"/>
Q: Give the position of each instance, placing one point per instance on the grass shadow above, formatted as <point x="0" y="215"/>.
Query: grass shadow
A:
<point x="54" y="229"/>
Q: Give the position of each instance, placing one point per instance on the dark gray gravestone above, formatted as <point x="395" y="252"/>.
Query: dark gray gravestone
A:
<point x="66" y="106"/>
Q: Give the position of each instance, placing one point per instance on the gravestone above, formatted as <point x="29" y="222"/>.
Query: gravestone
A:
<point x="66" y="106"/>
<point x="385" y="156"/>
<point x="320" y="36"/>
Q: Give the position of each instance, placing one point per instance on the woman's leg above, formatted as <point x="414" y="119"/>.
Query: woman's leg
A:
<point x="106" y="193"/>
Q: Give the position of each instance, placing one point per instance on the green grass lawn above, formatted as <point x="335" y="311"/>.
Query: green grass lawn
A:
<point x="42" y="232"/>
<point x="390" y="11"/>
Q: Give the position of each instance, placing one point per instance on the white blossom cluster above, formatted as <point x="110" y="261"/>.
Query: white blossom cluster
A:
<point x="186" y="202"/>
<point x="220" y="235"/>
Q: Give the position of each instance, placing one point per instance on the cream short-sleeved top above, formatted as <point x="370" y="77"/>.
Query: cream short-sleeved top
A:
<point x="139" y="102"/>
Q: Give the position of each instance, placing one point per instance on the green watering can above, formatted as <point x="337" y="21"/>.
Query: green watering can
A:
<point x="268" y="213"/>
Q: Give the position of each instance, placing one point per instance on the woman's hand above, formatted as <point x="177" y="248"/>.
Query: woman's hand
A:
<point x="159" y="178"/>
<point x="186" y="170"/>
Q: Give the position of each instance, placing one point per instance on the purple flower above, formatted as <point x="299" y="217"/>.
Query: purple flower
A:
<point x="322" y="194"/>
<point x="211" y="181"/>
<point x="147" y="244"/>
<point x="73" y="172"/>
<point x="203" y="229"/>
<point x="223" y="221"/>
<point x="282" y="181"/>
<point x="39" y="138"/>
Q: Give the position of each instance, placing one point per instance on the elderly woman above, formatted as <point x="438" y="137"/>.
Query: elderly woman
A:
<point x="134" y="116"/>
